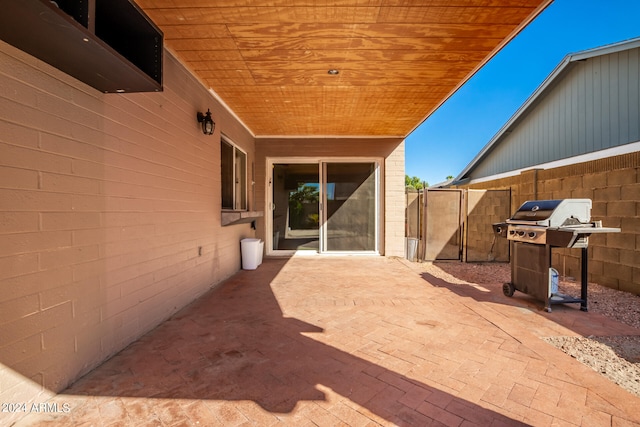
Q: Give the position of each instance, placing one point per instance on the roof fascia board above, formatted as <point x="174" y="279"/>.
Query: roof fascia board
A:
<point x="390" y="137"/>
<point x="606" y="50"/>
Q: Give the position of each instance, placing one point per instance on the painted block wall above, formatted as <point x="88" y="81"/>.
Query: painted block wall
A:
<point x="391" y="151"/>
<point x="394" y="201"/>
<point x="485" y="208"/>
<point x="109" y="217"/>
<point x="613" y="185"/>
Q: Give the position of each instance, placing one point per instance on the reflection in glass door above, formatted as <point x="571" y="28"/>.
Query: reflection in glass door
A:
<point x="324" y="206"/>
<point x="295" y="206"/>
<point x="350" y="221"/>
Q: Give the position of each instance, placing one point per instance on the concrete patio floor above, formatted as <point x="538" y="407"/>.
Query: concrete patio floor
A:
<point x="352" y="341"/>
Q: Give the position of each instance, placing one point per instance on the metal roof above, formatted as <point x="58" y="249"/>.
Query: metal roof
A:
<point x="558" y="73"/>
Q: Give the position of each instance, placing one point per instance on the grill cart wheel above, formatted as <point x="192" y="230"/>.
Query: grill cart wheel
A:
<point x="508" y="289"/>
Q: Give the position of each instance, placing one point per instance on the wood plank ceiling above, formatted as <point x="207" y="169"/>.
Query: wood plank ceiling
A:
<point x="398" y="60"/>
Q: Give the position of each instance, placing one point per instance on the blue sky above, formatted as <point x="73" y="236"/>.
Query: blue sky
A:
<point x="451" y="137"/>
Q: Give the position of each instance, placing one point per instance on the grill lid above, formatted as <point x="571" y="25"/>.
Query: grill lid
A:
<point x="553" y="213"/>
<point x="536" y="210"/>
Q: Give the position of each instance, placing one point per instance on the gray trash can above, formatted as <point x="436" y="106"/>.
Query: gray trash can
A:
<point x="251" y="250"/>
<point x="411" y="249"/>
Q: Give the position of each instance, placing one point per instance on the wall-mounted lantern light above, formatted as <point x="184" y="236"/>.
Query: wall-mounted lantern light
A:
<point x="208" y="125"/>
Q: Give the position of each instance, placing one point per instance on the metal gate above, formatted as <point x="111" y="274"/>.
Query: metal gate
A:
<point x="457" y="225"/>
<point x="443" y="240"/>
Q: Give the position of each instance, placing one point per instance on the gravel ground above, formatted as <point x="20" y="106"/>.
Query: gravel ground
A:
<point x="615" y="357"/>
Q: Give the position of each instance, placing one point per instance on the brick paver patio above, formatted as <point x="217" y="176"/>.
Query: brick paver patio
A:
<point x="352" y="341"/>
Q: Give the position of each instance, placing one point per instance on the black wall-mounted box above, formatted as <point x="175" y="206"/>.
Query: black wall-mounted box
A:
<point x="110" y="45"/>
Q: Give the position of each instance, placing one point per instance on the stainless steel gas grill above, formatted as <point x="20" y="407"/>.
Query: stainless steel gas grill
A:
<point x="536" y="228"/>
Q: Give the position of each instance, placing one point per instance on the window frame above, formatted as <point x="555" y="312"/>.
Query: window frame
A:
<point x="239" y="196"/>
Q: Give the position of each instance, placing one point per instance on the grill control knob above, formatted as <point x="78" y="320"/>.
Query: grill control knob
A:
<point x="532" y="234"/>
<point x="521" y="233"/>
<point x="512" y="232"/>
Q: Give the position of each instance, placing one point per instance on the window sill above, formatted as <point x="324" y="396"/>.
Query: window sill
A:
<point x="240" y="217"/>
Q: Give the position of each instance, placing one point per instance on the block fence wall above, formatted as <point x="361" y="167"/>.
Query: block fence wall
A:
<point x="110" y="217"/>
<point x="613" y="184"/>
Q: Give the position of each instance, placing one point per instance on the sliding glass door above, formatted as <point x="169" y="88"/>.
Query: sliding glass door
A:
<point x="295" y="206"/>
<point x="351" y="220"/>
<point x="324" y="206"/>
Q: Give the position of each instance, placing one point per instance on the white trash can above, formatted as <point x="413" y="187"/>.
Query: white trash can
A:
<point x="251" y="250"/>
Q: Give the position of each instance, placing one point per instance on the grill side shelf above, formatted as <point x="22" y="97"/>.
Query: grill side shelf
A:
<point x="575" y="237"/>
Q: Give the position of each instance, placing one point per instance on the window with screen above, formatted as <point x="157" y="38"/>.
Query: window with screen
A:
<point x="234" y="177"/>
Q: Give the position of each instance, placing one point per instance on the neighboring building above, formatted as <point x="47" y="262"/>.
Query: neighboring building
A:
<point x="443" y="184"/>
<point x="578" y="136"/>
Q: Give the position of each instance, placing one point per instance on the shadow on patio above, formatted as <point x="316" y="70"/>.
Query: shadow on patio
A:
<point x="483" y="282"/>
<point x="355" y="341"/>
<point x="241" y="343"/>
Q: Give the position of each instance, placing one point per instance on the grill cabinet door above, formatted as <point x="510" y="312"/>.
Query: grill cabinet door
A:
<point x="530" y="269"/>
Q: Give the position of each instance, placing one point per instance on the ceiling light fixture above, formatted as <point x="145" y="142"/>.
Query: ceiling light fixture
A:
<point x="333" y="72"/>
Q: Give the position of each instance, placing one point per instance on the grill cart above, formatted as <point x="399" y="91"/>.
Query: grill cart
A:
<point x="535" y="229"/>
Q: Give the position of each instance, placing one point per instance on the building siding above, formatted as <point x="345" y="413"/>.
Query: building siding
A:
<point x="595" y="105"/>
<point x="105" y="201"/>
